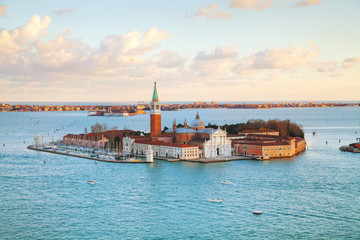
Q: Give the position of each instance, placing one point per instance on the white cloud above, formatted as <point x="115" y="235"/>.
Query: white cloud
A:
<point x="3" y="10"/>
<point x="326" y="66"/>
<point x="28" y="55"/>
<point x="170" y="59"/>
<point x="211" y="12"/>
<point x="155" y="35"/>
<point x="216" y="63"/>
<point x="218" y="53"/>
<point x="283" y="58"/>
<point x="22" y="38"/>
<point x="306" y="3"/>
<point x="351" y="62"/>
<point x="63" y="11"/>
<point x="251" y="4"/>
<point x="36" y="64"/>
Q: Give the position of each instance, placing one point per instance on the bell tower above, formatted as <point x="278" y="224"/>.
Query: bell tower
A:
<point x="155" y="115"/>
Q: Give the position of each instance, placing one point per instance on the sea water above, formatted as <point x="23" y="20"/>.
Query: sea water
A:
<point x="315" y="195"/>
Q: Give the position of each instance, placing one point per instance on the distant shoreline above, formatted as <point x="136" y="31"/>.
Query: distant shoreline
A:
<point x="134" y="108"/>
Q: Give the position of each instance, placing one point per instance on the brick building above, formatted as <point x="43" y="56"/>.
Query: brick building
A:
<point x="268" y="146"/>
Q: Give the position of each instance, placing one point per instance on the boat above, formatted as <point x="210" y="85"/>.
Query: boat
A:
<point x="214" y="200"/>
<point x="91" y="182"/>
<point x="226" y="182"/>
<point x="132" y="160"/>
<point x="257" y="212"/>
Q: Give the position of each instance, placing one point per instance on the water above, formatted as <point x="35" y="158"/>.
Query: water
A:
<point x="312" y="196"/>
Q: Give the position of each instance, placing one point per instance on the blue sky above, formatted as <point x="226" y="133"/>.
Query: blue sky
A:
<point x="221" y="50"/>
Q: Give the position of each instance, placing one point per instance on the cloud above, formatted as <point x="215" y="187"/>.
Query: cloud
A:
<point x="12" y="42"/>
<point x="170" y="59"/>
<point x="350" y="62"/>
<point x="251" y="4"/>
<point x="155" y="35"/>
<point x="218" y="53"/>
<point x="3" y="10"/>
<point x="30" y="51"/>
<point x="271" y="77"/>
<point x="283" y="58"/>
<point x="326" y="66"/>
<point x="306" y="3"/>
<point x="64" y="11"/>
<point x="211" y="12"/>
<point x="216" y="63"/>
<point x="37" y="64"/>
<point x="223" y="62"/>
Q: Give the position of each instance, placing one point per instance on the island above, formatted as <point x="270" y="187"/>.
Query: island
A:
<point x="195" y="142"/>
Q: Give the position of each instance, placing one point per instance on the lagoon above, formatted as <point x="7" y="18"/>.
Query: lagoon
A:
<point x="314" y="195"/>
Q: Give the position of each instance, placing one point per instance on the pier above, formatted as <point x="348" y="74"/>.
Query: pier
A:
<point x="83" y="156"/>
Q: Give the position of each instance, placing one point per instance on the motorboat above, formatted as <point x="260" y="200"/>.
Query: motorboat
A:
<point x="226" y="182"/>
<point x="214" y="200"/>
<point x="91" y="182"/>
<point x="257" y="212"/>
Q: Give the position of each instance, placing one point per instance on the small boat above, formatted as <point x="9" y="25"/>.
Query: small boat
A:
<point x="132" y="160"/>
<point x="257" y="212"/>
<point x="91" y="182"/>
<point x="226" y="182"/>
<point x="214" y="200"/>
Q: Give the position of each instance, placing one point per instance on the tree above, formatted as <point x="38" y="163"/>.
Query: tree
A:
<point x="97" y="127"/>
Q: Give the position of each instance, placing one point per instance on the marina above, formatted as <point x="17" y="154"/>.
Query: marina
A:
<point x="102" y="158"/>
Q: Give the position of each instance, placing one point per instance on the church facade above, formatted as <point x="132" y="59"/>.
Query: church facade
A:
<point x="188" y="142"/>
<point x="212" y="143"/>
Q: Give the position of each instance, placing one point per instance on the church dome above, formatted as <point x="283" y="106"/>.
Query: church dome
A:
<point x="197" y="123"/>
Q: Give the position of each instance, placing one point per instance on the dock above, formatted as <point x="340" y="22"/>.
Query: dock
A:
<point x="82" y="156"/>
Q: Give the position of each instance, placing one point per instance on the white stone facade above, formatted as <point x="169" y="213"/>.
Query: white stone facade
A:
<point x="218" y="145"/>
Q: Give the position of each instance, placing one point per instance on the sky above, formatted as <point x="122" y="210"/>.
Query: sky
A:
<point x="204" y="50"/>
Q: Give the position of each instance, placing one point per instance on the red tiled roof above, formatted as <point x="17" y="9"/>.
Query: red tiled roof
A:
<point x="263" y="143"/>
<point x="144" y="138"/>
<point x="164" y="144"/>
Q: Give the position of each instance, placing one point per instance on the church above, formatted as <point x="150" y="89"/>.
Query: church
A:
<point x="188" y="142"/>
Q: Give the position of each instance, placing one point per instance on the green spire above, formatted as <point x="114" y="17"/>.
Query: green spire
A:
<point x="155" y="95"/>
